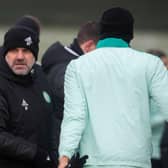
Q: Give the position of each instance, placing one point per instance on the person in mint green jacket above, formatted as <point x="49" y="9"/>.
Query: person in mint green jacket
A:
<point x="107" y="99"/>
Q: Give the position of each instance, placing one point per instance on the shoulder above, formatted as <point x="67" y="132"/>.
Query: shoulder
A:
<point x="85" y="59"/>
<point x="54" y="55"/>
<point x="54" y="47"/>
<point x="51" y="51"/>
<point x="38" y="73"/>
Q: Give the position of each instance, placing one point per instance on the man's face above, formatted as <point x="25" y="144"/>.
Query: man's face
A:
<point x="20" y="60"/>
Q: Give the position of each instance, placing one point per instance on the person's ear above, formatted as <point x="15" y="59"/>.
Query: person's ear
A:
<point x="88" y="46"/>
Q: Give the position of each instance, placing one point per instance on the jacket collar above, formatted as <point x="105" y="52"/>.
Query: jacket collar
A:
<point x="76" y="48"/>
<point x="112" y="42"/>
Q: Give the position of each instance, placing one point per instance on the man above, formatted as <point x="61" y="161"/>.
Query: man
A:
<point x="107" y="94"/>
<point x="57" y="57"/>
<point x="55" y="61"/>
<point x="26" y="104"/>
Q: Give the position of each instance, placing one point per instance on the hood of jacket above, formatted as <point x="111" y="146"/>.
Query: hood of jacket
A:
<point x="58" y="54"/>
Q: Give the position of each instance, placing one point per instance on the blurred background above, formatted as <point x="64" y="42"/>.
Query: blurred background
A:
<point x="61" y="19"/>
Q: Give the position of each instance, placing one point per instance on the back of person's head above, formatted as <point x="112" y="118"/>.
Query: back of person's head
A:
<point x="88" y="31"/>
<point x="118" y="23"/>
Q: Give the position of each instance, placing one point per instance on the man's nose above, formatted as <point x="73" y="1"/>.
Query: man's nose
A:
<point x="20" y="55"/>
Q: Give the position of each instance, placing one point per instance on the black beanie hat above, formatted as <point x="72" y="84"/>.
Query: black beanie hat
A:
<point x="30" y="22"/>
<point x="117" y="22"/>
<point x="21" y="37"/>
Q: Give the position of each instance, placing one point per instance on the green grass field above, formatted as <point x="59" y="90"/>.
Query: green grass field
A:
<point x="142" y="39"/>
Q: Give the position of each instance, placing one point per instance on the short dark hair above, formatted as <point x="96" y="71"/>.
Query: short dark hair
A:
<point x="157" y="52"/>
<point x="88" y="31"/>
<point x="118" y="23"/>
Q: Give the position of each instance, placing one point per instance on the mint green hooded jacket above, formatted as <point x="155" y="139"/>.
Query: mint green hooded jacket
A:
<point x="106" y="111"/>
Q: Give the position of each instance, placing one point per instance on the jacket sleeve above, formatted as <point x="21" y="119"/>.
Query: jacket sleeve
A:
<point x="158" y="88"/>
<point x="54" y="130"/>
<point x="74" y="113"/>
<point x="12" y="146"/>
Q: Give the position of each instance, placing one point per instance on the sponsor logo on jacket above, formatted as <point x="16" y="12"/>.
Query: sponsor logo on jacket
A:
<point x="25" y="104"/>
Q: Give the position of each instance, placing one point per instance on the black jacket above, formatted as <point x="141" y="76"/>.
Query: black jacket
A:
<point x="26" y="111"/>
<point x="164" y="147"/>
<point x="54" y="63"/>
